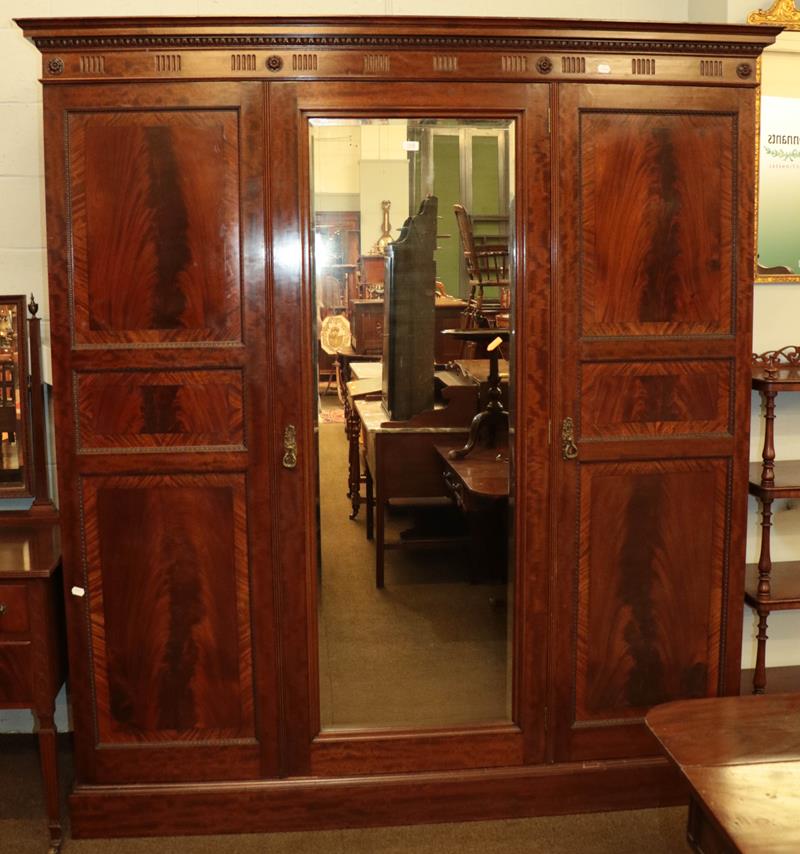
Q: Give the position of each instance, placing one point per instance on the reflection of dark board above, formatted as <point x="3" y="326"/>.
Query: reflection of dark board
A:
<point x="408" y="328"/>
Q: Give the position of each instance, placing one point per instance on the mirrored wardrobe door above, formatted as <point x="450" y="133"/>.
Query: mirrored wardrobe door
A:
<point x="414" y="590"/>
<point x="409" y="387"/>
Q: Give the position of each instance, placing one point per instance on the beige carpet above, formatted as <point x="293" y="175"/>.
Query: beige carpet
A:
<point x="23" y="830"/>
<point x="430" y="649"/>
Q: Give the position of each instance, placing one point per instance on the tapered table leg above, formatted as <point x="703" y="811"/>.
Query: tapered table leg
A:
<point x="48" y="758"/>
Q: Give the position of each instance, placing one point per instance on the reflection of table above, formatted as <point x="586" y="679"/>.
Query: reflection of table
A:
<point x="366" y="370"/>
<point x="478" y="369"/>
<point x="741" y="759"/>
<point x="346" y="357"/>
<point x="401" y="461"/>
<point x="366" y="382"/>
<point x="357" y="389"/>
<point x="479" y="485"/>
<point x="32" y="666"/>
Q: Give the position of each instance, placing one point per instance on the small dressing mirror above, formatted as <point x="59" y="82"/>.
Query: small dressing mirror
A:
<point x="15" y="475"/>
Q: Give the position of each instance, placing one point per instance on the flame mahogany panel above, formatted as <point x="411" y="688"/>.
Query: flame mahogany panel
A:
<point x="649" y="592"/>
<point x="155" y="225"/>
<point x="657" y="249"/>
<point x="168" y="586"/>
<point x="160" y="409"/>
<point x="629" y="399"/>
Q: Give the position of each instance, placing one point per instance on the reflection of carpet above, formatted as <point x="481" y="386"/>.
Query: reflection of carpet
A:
<point x="332" y="416"/>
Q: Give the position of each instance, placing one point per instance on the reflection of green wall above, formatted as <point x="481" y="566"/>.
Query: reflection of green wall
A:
<point x="486" y="186"/>
<point x="446" y="186"/>
<point x="485" y="176"/>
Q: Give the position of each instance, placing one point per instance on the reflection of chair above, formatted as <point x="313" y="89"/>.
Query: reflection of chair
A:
<point x="487" y="266"/>
<point x="334" y="335"/>
<point x="330" y="294"/>
<point x="8" y="400"/>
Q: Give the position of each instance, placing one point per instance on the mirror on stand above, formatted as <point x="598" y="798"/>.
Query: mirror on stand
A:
<point x="24" y="490"/>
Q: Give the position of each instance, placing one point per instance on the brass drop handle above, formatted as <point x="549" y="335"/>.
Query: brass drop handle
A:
<point x="3" y="608"/>
<point x="569" y="450"/>
<point x="290" y="446"/>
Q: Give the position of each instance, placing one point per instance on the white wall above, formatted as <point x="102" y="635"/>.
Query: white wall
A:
<point x="22" y="234"/>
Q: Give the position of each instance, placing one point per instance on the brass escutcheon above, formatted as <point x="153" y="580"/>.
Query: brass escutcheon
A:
<point x="290" y="446"/>
<point x="569" y="450"/>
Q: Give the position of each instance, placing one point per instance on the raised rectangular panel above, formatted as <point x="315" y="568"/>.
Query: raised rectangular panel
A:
<point x="127" y="410"/>
<point x="656" y="194"/>
<point x="652" y="557"/>
<point x="167" y="587"/>
<point x="154" y="210"/>
<point x="634" y="399"/>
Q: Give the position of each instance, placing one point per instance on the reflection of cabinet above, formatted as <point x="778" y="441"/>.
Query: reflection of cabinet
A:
<point x="772" y="586"/>
<point x="371" y="271"/>
<point x="366" y="325"/>
<point x="367" y="321"/>
<point x="178" y="235"/>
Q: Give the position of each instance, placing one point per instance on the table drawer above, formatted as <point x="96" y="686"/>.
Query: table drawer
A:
<point x="14" y="617"/>
<point x="15" y="672"/>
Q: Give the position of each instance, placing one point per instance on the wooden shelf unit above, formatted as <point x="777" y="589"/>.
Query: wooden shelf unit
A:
<point x="772" y="586"/>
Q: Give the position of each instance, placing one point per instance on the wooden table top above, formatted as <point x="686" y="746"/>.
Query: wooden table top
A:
<point x="787" y="479"/>
<point x="785" y="378"/>
<point x="362" y="388"/>
<point x="484" y="471"/>
<point x="478" y="369"/>
<point x="366" y="370"/>
<point x="29" y="550"/>
<point x="741" y="757"/>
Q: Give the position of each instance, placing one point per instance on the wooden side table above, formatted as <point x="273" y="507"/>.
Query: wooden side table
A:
<point x="480" y="485"/>
<point x="32" y="649"/>
<point x="740" y="757"/>
<point x="772" y="586"/>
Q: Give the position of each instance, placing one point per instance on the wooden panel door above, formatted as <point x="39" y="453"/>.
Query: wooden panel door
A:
<point x="156" y="232"/>
<point x="654" y="306"/>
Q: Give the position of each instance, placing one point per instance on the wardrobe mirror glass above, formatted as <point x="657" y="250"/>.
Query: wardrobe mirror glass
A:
<point x="13" y="396"/>
<point x="413" y="316"/>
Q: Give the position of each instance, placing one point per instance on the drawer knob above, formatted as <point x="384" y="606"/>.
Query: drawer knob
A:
<point x="3" y="608"/>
